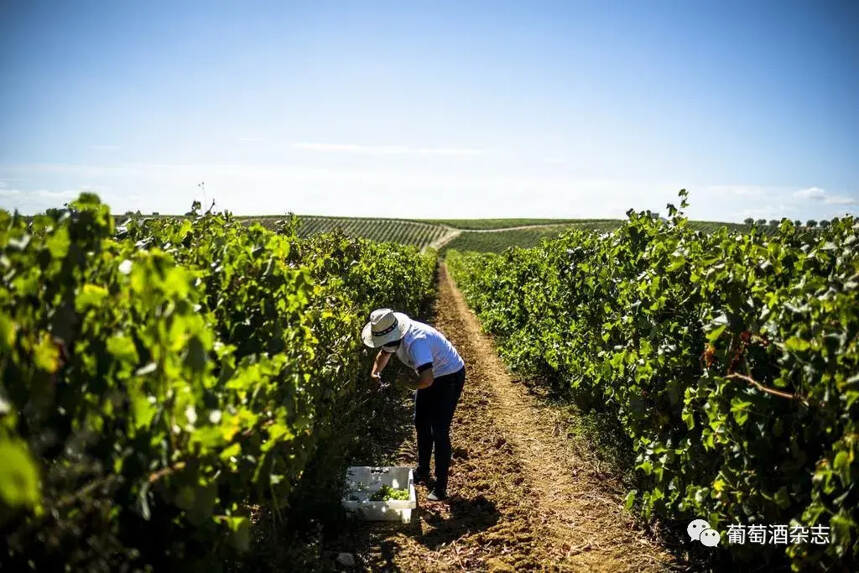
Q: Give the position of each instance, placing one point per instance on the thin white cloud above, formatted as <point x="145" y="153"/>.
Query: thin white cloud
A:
<point x="772" y="202"/>
<point x="813" y="193"/>
<point x="35" y="200"/>
<point x="64" y="194"/>
<point x="840" y="200"/>
<point x="818" y="194"/>
<point x="740" y="190"/>
<point x="395" y="189"/>
<point x="384" y="149"/>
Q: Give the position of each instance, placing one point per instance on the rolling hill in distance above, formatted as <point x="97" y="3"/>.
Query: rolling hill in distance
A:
<point x="487" y="235"/>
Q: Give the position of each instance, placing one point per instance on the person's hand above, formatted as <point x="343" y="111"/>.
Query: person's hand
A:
<point x="377" y="378"/>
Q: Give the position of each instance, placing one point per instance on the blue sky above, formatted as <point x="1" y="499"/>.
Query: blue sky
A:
<point x="459" y="109"/>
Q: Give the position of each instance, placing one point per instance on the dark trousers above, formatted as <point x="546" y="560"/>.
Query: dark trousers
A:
<point x="434" y="407"/>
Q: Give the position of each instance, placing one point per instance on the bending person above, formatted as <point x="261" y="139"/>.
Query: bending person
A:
<point x="441" y="376"/>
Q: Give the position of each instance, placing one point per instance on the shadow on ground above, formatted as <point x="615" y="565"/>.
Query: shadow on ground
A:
<point x="460" y="517"/>
<point x="433" y="526"/>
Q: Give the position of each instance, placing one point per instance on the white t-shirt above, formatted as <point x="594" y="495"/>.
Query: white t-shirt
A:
<point x="423" y="344"/>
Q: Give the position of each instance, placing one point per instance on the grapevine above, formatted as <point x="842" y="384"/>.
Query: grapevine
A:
<point x="158" y="379"/>
<point x="728" y="359"/>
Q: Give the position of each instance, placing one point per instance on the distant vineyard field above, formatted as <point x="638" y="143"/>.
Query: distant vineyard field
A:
<point x="599" y="224"/>
<point x="483" y="235"/>
<point x="497" y="241"/>
<point x="417" y="233"/>
<point x="481" y="224"/>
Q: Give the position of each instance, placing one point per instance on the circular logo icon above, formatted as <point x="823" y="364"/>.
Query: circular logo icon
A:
<point x="695" y="527"/>
<point x="710" y="537"/>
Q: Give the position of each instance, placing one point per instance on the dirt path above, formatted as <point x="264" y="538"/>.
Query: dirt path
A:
<point x="521" y="497"/>
<point x="455" y="232"/>
<point x="445" y="239"/>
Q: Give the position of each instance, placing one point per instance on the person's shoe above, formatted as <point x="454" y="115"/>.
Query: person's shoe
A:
<point x="437" y="495"/>
<point x="420" y="476"/>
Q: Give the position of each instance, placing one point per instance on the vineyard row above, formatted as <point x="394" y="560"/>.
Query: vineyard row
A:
<point x="728" y="360"/>
<point x="159" y="380"/>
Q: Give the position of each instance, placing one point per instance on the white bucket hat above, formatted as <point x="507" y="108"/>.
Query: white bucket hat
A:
<point x="385" y="326"/>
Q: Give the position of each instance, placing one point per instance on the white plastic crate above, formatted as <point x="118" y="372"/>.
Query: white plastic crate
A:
<point x="363" y="481"/>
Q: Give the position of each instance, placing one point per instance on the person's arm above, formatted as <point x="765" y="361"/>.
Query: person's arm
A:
<point x="424" y="380"/>
<point x="379" y="364"/>
<point x="422" y="357"/>
<point x="425" y="377"/>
